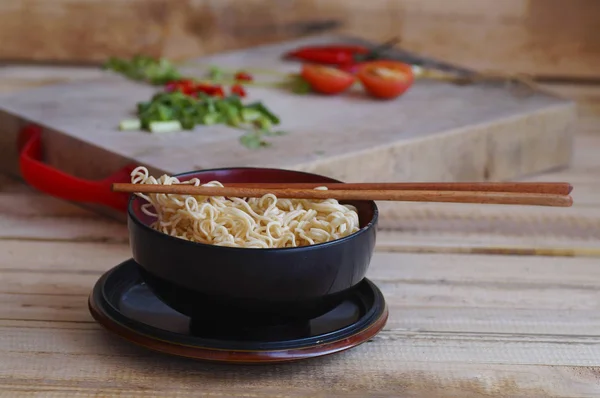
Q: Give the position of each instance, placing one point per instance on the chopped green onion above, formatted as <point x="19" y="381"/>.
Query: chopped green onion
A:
<point x="234" y="100"/>
<point x="130" y="124"/>
<point x="233" y="118"/>
<point x="266" y="112"/>
<point x="211" y="118"/>
<point x="250" y="115"/>
<point x="253" y="140"/>
<point x="165" y="127"/>
<point x="175" y="111"/>
<point x="263" y="123"/>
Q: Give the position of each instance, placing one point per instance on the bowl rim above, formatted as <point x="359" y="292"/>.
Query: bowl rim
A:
<point x="371" y="224"/>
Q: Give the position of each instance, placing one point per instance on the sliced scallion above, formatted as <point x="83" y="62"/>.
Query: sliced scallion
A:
<point x="249" y="114"/>
<point x="165" y="127"/>
<point x="130" y="124"/>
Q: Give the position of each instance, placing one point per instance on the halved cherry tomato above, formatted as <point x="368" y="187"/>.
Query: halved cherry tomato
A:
<point x="385" y="79"/>
<point x="325" y="79"/>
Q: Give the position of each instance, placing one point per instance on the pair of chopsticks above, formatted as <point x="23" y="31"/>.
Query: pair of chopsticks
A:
<point x="509" y="193"/>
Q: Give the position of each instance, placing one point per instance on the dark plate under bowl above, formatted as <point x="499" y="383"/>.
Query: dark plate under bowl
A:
<point x="262" y="285"/>
<point x="123" y="304"/>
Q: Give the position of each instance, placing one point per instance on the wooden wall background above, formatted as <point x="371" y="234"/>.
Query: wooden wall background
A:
<point x="544" y="37"/>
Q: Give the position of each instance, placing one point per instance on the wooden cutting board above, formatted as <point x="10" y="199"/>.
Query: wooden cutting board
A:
<point x="435" y="132"/>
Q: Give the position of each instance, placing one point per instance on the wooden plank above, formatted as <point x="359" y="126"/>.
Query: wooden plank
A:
<point x="29" y="215"/>
<point x="91" y="359"/>
<point x="86" y="229"/>
<point x="24" y="204"/>
<point x="71" y="257"/>
<point x="10" y="184"/>
<point x="390" y="346"/>
<point x="391" y="270"/>
<point x="410" y="379"/>
<point x="23" y="77"/>
<point x="493" y="243"/>
<point x="583" y="222"/>
<point x="523" y="271"/>
<point x="405" y="315"/>
<point x="528" y="36"/>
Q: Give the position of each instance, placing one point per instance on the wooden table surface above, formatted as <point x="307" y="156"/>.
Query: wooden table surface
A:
<point x="484" y="300"/>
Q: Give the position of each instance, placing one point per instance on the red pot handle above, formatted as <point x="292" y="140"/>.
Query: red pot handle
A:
<point x="62" y="185"/>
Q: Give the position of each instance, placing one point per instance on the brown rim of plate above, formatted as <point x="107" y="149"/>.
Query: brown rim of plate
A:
<point x="237" y="356"/>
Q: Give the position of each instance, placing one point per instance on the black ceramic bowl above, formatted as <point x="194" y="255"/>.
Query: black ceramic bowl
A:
<point x="246" y="285"/>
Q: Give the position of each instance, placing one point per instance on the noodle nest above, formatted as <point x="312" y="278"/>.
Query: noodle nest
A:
<point x="265" y="222"/>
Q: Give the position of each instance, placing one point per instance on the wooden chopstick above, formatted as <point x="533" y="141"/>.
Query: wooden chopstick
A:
<point x="509" y="198"/>
<point x="558" y="188"/>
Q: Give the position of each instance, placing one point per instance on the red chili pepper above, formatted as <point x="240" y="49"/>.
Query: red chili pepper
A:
<point x="238" y="89"/>
<point x="339" y="54"/>
<point x="243" y="76"/>
<point x="330" y="55"/>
